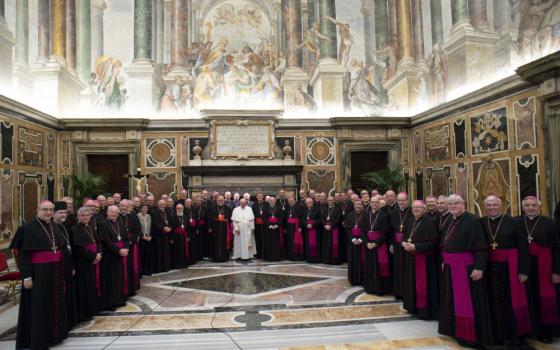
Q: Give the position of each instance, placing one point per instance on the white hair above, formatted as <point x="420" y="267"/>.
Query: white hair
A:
<point x="491" y="198"/>
<point x="529" y="198"/>
<point x="455" y="198"/>
<point x="84" y="210"/>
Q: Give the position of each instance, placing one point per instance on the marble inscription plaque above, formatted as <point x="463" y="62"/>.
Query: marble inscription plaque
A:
<point x="242" y="140"/>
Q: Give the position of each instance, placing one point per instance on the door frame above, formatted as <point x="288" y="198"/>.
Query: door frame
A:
<point x="81" y="150"/>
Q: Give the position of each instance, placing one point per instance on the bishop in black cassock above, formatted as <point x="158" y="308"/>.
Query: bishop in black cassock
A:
<point x="311" y="222"/>
<point x="219" y="217"/>
<point x="377" y="272"/>
<point x="274" y="234"/>
<point x="356" y="228"/>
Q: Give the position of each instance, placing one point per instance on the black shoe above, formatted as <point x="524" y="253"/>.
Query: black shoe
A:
<point x="545" y="340"/>
<point x="466" y="345"/>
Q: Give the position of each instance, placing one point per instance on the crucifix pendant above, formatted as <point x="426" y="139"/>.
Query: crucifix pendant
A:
<point x="530" y="239"/>
<point x="119" y="237"/>
<point x="409" y="240"/>
<point x="402" y="226"/>
<point x="53" y="249"/>
<point x="494" y="245"/>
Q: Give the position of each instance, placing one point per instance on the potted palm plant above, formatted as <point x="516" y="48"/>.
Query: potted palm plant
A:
<point x="84" y="186"/>
<point x="390" y="178"/>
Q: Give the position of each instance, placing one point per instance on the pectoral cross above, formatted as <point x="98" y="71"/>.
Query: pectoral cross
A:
<point x="402" y="226"/>
<point x="54" y="249"/>
<point x="409" y="240"/>
<point x="494" y="245"/>
<point x="530" y="239"/>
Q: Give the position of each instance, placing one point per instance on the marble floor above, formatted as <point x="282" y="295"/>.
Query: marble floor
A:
<point x="253" y="305"/>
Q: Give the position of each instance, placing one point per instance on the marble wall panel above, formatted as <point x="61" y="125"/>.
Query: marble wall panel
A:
<point x="185" y="151"/>
<point x="439" y="179"/>
<point x="489" y="132"/>
<point x="462" y="180"/>
<point x="437" y="143"/>
<point x="527" y="169"/>
<point x="419" y="181"/>
<point x="417" y="142"/>
<point x="6" y="204"/>
<point x="30" y="192"/>
<point x="65" y="152"/>
<point x="321" y="180"/>
<point x="161" y="183"/>
<point x="459" y="131"/>
<point x="7" y="137"/>
<point x="320" y="151"/>
<point x="492" y="178"/>
<point x="524" y="114"/>
<point x="160" y="152"/>
<point x="30" y="147"/>
<point x="51" y="150"/>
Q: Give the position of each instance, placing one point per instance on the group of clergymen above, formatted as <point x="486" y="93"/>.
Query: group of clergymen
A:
<point x="488" y="280"/>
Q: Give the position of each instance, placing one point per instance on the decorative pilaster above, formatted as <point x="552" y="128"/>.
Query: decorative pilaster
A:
<point x="404" y="32"/>
<point x="83" y="40"/>
<point x="460" y="14"/>
<point x="417" y="31"/>
<point x="179" y="34"/>
<point x="294" y="77"/>
<point x="382" y="37"/>
<point x="328" y="47"/>
<point x="478" y="14"/>
<point x="368" y="15"/>
<point x="142" y="30"/>
<point x="98" y="7"/>
<point x="58" y="30"/>
<point x="22" y="79"/>
<point x="71" y="34"/>
<point x="159" y="31"/>
<point x="43" y="31"/>
<point x="436" y="21"/>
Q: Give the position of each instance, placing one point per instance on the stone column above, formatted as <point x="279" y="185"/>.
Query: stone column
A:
<point x="83" y="40"/>
<point x="159" y="31"/>
<point x="478" y="14"/>
<point x="71" y="34"/>
<point x="43" y="31"/>
<point x="502" y="15"/>
<point x="417" y="31"/>
<point x="294" y="77"/>
<point x="58" y="30"/>
<point x="368" y="14"/>
<point x="154" y="31"/>
<point x="382" y="37"/>
<point x="436" y="21"/>
<point x="328" y="48"/>
<point x="460" y="13"/>
<point x="392" y="20"/>
<point x="97" y="46"/>
<point x="6" y="48"/>
<point x="22" y="78"/>
<point x="179" y="33"/>
<point x="143" y="30"/>
<point x="311" y="15"/>
<point x="404" y="31"/>
<point x="22" y="32"/>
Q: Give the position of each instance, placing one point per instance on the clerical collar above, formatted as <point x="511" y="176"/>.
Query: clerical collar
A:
<point x="496" y="217"/>
<point x="459" y="216"/>
<point x="43" y="221"/>
<point x="403" y="210"/>
<point x="532" y="218"/>
<point x="420" y="218"/>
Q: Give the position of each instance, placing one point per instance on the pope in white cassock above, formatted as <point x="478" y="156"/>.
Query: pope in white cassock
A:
<point x="243" y="227"/>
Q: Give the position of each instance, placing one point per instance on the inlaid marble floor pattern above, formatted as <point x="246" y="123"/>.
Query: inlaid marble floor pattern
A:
<point x="254" y="305"/>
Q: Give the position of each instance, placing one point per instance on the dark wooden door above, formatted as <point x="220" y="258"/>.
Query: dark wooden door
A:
<point x="113" y="169"/>
<point x="365" y="162"/>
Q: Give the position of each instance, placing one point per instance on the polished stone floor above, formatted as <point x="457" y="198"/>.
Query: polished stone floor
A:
<point x="253" y="305"/>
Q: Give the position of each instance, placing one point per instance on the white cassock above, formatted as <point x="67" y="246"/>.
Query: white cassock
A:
<point x="243" y="238"/>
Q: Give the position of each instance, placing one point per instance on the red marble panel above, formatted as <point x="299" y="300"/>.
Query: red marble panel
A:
<point x="321" y="180"/>
<point x="161" y="183"/>
<point x="7" y="203"/>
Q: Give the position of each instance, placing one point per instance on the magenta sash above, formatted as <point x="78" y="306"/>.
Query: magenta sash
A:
<point x="549" y="313"/>
<point x="357" y="233"/>
<point x="120" y="245"/>
<point x="518" y="297"/>
<point x="462" y="302"/>
<point x="45" y="257"/>
<point x="421" y="280"/>
<point x="136" y="265"/>
<point x="382" y="254"/>
<point x="398" y="237"/>
<point x="183" y="231"/>
<point x="93" y="248"/>
<point x="201" y="222"/>
<point x="312" y="237"/>
<point x="274" y="220"/>
<point x="298" y="238"/>
<point x="192" y="222"/>
<point x="334" y="237"/>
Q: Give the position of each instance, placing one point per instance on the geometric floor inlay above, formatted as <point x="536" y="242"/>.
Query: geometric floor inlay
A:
<point x="245" y="283"/>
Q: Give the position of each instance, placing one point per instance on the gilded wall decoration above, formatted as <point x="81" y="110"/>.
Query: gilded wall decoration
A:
<point x="527" y="176"/>
<point x="320" y="151"/>
<point x="524" y="115"/>
<point x="321" y="180"/>
<point x="161" y="183"/>
<point x="492" y="178"/>
<point x="160" y="153"/>
<point x="30" y="192"/>
<point x="439" y="180"/>
<point x="51" y="151"/>
<point x="417" y="141"/>
<point x="459" y="130"/>
<point x="437" y="143"/>
<point x="30" y="147"/>
<point x="490" y="132"/>
<point x="461" y="180"/>
<point x="65" y="153"/>
<point x="6" y="203"/>
<point x="7" y="137"/>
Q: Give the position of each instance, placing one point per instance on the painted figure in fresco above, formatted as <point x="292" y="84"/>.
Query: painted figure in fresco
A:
<point x="303" y="100"/>
<point x="109" y="83"/>
<point x="362" y="92"/>
<point x="268" y="88"/>
<point x="537" y="23"/>
<point x="176" y="96"/>
<point x="311" y="40"/>
<point x="437" y="64"/>
<point x="346" y="40"/>
<point x="386" y="59"/>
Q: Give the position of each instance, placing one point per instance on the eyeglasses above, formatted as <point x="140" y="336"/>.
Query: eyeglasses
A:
<point x="46" y="209"/>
